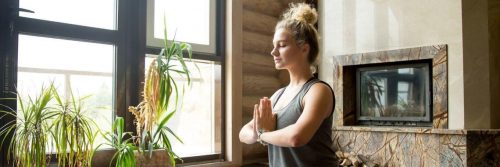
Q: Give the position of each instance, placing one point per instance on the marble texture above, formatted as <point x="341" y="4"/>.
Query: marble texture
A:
<point x="344" y="82"/>
<point x="387" y="146"/>
<point x="483" y="148"/>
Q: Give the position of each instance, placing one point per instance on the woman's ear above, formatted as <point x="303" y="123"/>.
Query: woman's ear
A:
<point x="305" y="48"/>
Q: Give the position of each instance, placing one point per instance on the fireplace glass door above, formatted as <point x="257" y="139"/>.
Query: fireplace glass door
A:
<point x="394" y="94"/>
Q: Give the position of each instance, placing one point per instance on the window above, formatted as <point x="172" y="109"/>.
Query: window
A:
<point x="197" y="121"/>
<point x="84" y="66"/>
<point x="96" y="47"/>
<point x="197" y="22"/>
<point x="72" y="12"/>
<point x="191" y="21"/>
<point x="44" y="60"/>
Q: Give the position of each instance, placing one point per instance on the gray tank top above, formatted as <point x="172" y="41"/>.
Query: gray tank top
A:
<point x="318" y="152"/>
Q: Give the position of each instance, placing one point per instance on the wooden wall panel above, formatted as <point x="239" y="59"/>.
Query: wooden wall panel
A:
<point x="260" y="78"/>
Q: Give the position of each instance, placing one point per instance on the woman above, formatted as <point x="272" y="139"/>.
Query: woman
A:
<point x="296" y="121"/>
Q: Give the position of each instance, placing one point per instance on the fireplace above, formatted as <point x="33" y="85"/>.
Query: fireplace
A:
<point x="356" y="135"/>
<point x="394" y="94"/>
<point x="404" y="87"/>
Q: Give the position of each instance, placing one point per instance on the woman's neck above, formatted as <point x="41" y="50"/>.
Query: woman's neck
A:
<point x="299" y="76"/>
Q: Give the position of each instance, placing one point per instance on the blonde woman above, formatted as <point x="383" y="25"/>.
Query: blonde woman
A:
<point x="296" y="121"/>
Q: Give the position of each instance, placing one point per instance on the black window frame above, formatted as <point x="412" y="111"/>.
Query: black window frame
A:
<point x="129" y="39"/>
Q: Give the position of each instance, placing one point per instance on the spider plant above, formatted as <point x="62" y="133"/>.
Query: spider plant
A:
<point x="74" y="132"/>
<point x="118" y="139"/>
<point x="161" y="98"/>
<point x="29" y="128"/>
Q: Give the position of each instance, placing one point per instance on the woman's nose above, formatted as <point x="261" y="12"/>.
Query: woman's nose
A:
<point x="274" y="52"/>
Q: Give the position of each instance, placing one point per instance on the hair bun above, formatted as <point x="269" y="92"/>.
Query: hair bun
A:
<point x="304" y="13"/>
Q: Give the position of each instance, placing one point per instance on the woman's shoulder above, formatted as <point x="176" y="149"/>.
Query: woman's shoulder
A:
<point x="319" y="88"/>
<point x="319" y="84"/>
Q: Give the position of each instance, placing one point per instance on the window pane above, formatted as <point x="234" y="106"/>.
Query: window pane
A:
<point x="187" y="20"/>
<point x="58" y="54"/>
<point x="85" y="67"/>
<point x="92" y="13"/>
<point x="198" y="122"/>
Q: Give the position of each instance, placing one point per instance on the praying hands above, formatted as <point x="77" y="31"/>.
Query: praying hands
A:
<point x="264" y="118"/>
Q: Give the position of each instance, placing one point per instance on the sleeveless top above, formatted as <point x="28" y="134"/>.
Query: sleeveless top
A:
<point x="318" y="151"/>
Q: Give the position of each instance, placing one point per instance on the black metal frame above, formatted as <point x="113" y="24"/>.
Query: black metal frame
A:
<point x="401" y="121"/>
<point x="129" y="39"/>
<point x="8" y="62"/>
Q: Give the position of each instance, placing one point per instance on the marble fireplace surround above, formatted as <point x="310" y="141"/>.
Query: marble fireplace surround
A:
<point x="392" y="146"/>
<point x="408" y="146"/>
<point x="345" y="73"/>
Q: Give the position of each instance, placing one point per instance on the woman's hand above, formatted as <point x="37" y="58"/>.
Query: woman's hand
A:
<point x="263" y="116"/>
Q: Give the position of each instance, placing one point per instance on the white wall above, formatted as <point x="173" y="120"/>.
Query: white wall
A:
<point x="357" y="26"/>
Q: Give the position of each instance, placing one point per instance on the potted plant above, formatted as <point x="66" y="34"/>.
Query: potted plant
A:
<point x="40" y="123"/>
<point x="160" y="100"/>
<point x="117" y="138"/>
<point x="74" y="132"/>
<point x="29" y="128"/>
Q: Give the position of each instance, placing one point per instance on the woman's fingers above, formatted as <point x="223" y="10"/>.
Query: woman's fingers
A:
<point x="255" y="117"/>
<point x="269" y="108"/>
<point x="261" y="108"/>
<point x="266" y="107"/>
<point x="263" y="114"/>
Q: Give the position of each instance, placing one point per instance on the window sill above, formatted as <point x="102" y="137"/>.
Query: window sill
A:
<point x="209" y="164"/>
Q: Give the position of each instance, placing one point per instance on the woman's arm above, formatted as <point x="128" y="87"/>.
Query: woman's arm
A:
<point x="317" y="107"/>
<point x="247" y="134"/>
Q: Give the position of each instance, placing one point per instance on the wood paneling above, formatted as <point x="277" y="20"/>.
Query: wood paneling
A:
<point x="258" y="58"/>
<point x="258" y="22"/>
<point x="268" y="7"/>
<point x="257" y="43"/>
<point x="260" y="85"/>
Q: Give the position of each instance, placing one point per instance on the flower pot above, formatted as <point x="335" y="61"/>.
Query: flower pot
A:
<point x="158" y="159"/>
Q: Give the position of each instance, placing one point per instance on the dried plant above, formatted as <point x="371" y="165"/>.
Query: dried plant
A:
<point x="161" y="98"/>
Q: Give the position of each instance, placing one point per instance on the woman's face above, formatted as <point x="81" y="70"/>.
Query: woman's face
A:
<point x="287" y="52"/>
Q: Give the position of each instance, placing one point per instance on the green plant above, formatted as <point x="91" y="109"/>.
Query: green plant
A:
<point x="160" y="86"/>
<point x="29" y="128"/>
<point x="118" y="139"/>
<point x="74" y="132"/>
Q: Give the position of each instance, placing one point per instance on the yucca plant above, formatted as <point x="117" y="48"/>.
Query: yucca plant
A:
<point x="161" y="98"/>
<point x="121" y="141"/>
<point x="74" y="132"/>
<point x="29" y="128"/>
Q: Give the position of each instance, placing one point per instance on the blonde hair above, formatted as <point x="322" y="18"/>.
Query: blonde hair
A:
<point x="300" y="19"/>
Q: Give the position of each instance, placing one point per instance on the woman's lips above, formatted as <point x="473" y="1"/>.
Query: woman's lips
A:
<point x="277" y="60"/>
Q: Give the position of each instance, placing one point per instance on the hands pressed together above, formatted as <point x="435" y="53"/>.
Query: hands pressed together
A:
<point x="264" y="118"/>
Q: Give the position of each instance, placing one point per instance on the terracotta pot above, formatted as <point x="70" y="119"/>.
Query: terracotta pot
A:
<point x="158" y="159"/>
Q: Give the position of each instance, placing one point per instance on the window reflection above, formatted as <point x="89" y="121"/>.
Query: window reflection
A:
<point x="393" y="92"/>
